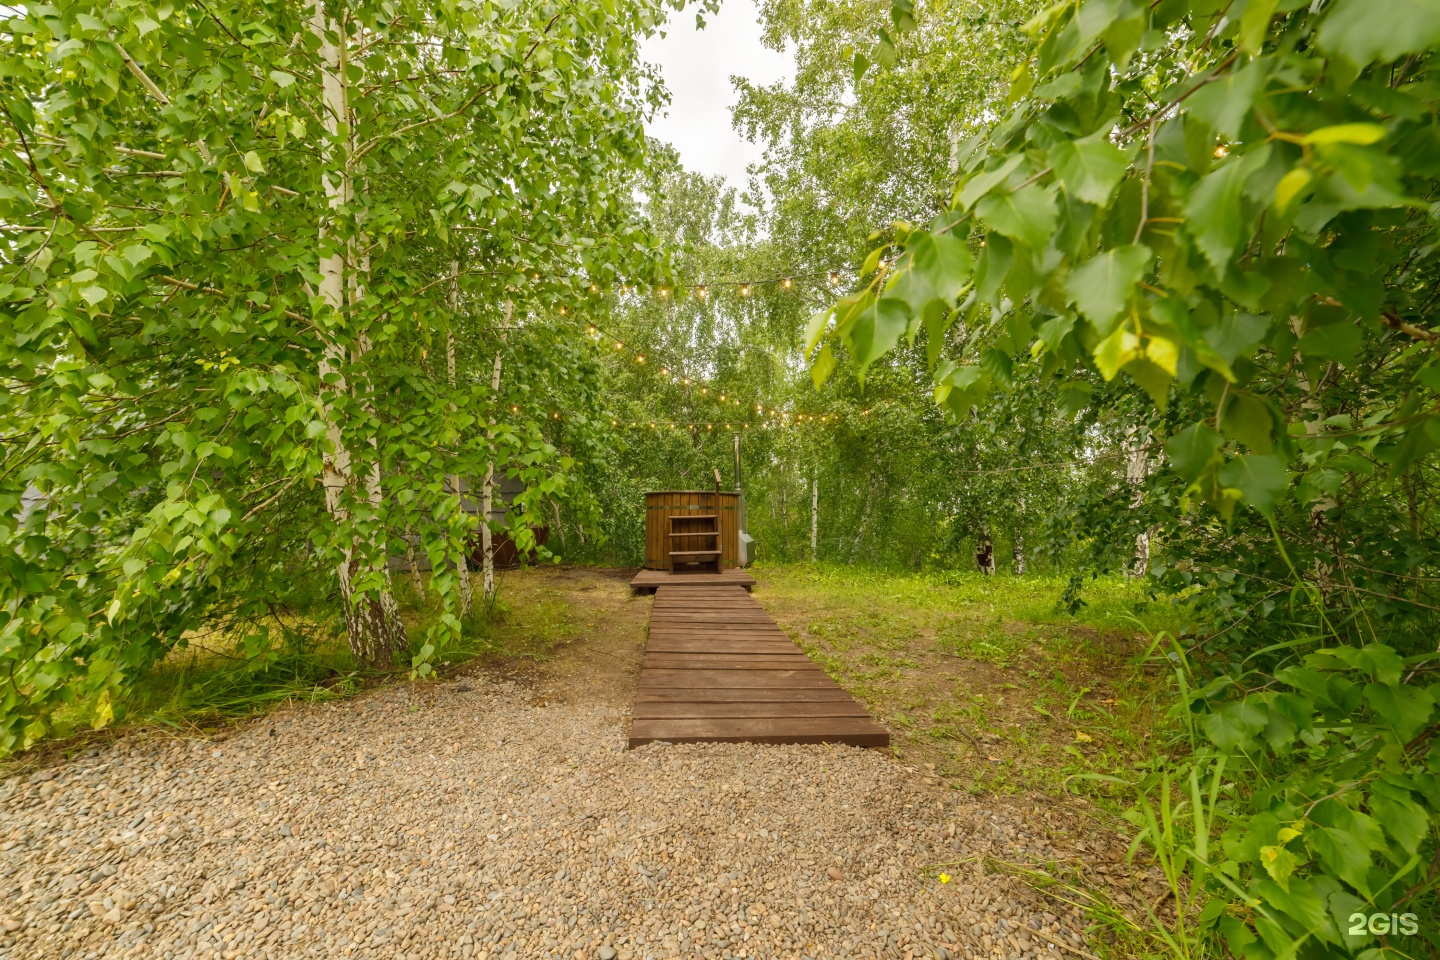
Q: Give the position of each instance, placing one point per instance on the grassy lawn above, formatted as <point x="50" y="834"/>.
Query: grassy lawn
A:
<point x="983" y="680"/>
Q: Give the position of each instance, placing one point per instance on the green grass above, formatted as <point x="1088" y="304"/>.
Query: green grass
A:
<point x="988" y="679"/>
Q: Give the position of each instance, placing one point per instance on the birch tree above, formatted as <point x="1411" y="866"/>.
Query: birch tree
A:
<point x="227" y="234"/>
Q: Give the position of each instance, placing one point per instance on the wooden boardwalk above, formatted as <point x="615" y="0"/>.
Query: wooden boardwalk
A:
<point x="730" y="577"/>
<point x="718" y="670"/>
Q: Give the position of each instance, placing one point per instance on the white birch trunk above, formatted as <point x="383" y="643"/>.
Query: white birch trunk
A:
<point x="985" y="553"/>
<point x="487" y="495"/>
<point x="815" y="518"/>
<point x="372" y="618"/>
<point x="1017" y="545"/>
<point x="1137" y="468"/>
<point x="462" y="568"/>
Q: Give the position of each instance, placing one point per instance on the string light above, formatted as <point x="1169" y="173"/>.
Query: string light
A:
<point x="744" y="289"/>
<point x="639" y="358"/>
<point x="787" y="283"/>
<point x="834" y="277"/>
<point x="700" y="291"/>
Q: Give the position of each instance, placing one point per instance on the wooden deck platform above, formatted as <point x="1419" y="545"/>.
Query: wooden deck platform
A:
<point x="718" y="670"/>
<point x="652" y="579"/>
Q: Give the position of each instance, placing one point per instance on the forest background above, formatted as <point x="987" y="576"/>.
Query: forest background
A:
<point x="1097" y="289"/>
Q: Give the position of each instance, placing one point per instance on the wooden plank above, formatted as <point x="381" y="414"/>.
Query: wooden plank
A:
<point x="742" y="695"/>
<point x="739" y="647"/>
<point x="718" y="669"/>
<point x="814" y="677"/>
<point x="652" y="710"/>
<point x="722" y="661"/>
<point x="856" y="732"/>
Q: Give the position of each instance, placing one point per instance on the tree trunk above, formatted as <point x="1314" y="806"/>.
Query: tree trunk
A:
<point x="415" y="580"/>
<point x="462" y="568"/>
<point x="1137" y="468"/>
<point x="815" y="518"/>
<point x="1017" y="545"/>
<point x="372" y="618"/>
<point x="864" y="520"/>
<point x="985" y="553"/>
<point x="487" y="491"/>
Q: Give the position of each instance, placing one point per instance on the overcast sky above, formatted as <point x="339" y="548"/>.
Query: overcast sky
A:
<point x="697" y="66"/>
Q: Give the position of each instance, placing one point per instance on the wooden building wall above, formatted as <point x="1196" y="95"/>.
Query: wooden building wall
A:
<point x="661" y="505"/>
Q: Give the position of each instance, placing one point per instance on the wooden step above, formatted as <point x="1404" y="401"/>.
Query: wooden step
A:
<point x="696" y="554"/>
<point x="694" y="516"/>
<point x="698" y="533"/>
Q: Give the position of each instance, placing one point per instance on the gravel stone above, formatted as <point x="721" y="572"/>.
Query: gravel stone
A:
<point x="504" y="818"/>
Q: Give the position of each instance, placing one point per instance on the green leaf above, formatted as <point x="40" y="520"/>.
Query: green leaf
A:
<point x="1193" y="450"/>
<point x="1363" y="31"/>
<point x="1237" y="335"/>
<point x="937" y="319"/>
<point x="1247" y="418"/>
<point x="1400" y="816"/>
<point x="982" y="183"/>
<point x="943" y="260"/>
<point x="253" y="163"/>
<point x="1234" y="725"/>
<point x="1337" y="341"/>
<point x="1280" y="863"/>
<point x="1290" y="186"/>
<point x="1092" y="166"/>
<point x="1224" y="104"/>
<point x="823" y="366"/>
<point x="1363" y="134"/>
<point x="1260" y="478"/>
<point x="1102" y="285"/>
<point x="1027" y="215"/>
<point x="1345" y="853"/>
<point x="1213" y="214"/>
<point x="815" y="328"/>
<point x="859" y="66"/>
<point x="1406" y="708"/>
<point x="1115" y="351"/>
<point x="1254" y="23"/>
<point x="876" y="330"/>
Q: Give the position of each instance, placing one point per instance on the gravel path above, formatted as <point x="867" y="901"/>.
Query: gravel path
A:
<point x="503" y="818"/>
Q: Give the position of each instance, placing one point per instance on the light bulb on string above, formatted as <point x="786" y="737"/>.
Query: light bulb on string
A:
<point x="700" y="292"/>
<point x="787" y="283"/>
<point x="664" y="292"/>
<point x="639" y="358"/>
<point x="593" y="288"/>
<point x="744" y="289"/>
<point x="619" y="345"/>
<point x="834" y="277"/>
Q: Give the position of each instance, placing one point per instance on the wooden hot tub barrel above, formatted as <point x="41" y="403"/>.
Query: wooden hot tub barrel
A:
<point x="661" y="505"/>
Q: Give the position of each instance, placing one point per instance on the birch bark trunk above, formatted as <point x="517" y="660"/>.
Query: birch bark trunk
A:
<point x="1137" y="468"/>
<point x="815" y="518"/>
<point x="1017" y="545"/>
<point x="372" y="618"/>
<point x="985" y="553"/>
<point x="487" y="495"/>
<point x="462" y="568"/>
